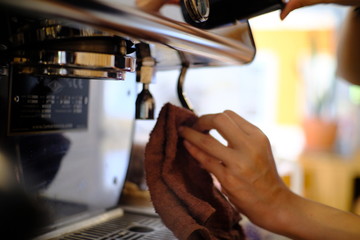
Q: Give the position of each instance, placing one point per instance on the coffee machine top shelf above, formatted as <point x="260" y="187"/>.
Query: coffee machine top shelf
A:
<point x="229" y="45"/>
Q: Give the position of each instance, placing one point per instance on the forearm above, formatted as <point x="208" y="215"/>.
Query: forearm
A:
<point x="300" y="218"/>
<point x="349" y="48"/>
<point x="295" y="4"/>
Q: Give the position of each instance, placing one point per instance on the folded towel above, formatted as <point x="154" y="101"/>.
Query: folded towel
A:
<point x="183" y="194"/>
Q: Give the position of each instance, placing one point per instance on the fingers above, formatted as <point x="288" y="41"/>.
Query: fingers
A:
<point x="245" y="141"/>
<point x="291" y="5"/>
<point x="154" y="5"/>
<point x="211" y="149"/>
<point x="209" y="163"/>
<point x="173" y="1"/>
<point x="243" y="124"/>
<point x="295" y="4"/>
<point x="227" y="125"/>
<point x="232" y="127"/>
<point x="150" y="5"/>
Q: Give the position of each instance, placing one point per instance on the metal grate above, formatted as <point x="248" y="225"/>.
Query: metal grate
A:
<point x="129" y="227"/>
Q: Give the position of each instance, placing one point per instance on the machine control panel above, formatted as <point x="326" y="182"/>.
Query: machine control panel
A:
<point x="47" y="104"/>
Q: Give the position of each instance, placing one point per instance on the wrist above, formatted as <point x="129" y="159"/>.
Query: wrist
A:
<point x="277" y="212"/>
<point x="286" y="214"/>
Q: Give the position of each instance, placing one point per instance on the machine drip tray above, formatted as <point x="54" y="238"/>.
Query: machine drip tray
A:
<point x="131" y="226"/>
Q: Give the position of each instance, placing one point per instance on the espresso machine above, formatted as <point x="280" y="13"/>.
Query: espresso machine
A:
<point x="74" y="78"/>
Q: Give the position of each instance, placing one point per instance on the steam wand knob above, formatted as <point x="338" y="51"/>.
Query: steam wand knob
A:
<point x="145" y="71"/>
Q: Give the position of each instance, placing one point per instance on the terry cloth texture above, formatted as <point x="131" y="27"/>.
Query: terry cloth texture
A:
<point x="183" y="194"/>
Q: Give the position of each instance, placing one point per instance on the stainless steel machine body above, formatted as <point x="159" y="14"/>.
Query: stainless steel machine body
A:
<point x="66" y="121"/>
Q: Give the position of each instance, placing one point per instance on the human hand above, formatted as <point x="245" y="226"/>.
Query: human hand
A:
<point x="245" y="168"/>
<point x="295" y="4"/>
<point x="154" y="5"/>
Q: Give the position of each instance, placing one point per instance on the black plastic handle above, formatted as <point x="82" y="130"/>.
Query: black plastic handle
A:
<point x="223" y="12"/>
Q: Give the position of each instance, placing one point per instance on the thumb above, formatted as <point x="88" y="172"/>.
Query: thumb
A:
<point x="150" y="5"/>
<point x="294" y="4"/>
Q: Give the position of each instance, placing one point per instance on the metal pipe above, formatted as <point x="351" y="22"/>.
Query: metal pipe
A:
<point x="120" y="19"/>
<point x="185" y="102"/>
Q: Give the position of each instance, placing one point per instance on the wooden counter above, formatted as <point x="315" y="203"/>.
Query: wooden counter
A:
<point x="330" y="178"/>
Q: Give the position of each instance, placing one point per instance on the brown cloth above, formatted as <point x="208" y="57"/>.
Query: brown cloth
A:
<point x="183" y="194"/>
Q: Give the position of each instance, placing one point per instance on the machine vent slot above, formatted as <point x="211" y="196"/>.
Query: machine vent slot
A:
<point x="128" y="227"/>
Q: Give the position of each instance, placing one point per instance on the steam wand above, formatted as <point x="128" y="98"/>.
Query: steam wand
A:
<point x="185" y="64"/>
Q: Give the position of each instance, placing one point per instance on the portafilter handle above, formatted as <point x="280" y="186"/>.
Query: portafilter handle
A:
<point x="145" y="71"/>
<point x="208" y="14"/>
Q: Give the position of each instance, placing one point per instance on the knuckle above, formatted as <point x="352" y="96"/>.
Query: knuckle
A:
<point x="229" y="112"/>
<point x="265" y="140"/>
<point x="219" y="119"/>
<point x="206" y="142"/>
<point x="256" y="153"/>
<point x="261" y="137"/>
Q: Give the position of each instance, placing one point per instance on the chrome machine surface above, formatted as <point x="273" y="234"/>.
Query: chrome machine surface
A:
<point x="66" y="121"/>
